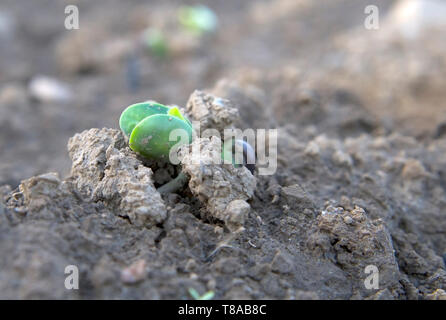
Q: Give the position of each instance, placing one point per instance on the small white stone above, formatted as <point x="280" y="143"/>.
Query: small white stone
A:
<point x="47" y="89"/>
<point x="348" y="220"/>
<point x="135" y="272"/>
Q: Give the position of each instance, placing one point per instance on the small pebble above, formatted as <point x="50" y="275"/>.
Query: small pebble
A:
<point x="47" y="89"/>
<point x="348" y="220"/>
<point x="135" y="272"/>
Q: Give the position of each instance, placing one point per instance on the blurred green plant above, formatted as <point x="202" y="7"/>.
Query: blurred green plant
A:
<point x="156" y="42"/>
<point x="207" y="296"/>
<point x="198" y="19"/>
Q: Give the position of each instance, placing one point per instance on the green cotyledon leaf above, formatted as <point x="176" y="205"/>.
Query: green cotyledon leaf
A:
<point x="149" y="125"/>
<point x="150" y="137"/>
<point x="133" y="114"/>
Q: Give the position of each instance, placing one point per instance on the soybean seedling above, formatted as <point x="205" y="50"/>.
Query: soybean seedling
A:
<point x="148" y="126"/>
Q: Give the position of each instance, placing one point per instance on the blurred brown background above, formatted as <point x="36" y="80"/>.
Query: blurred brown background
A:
<point x="104" y="66"/>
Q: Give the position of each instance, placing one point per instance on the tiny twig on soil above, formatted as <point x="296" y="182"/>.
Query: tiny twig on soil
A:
<point x="225" y="242"/>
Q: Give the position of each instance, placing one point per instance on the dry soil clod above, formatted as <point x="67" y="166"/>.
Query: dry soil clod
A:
<point x="222" y="188"/>
<point x="104" y="169"/>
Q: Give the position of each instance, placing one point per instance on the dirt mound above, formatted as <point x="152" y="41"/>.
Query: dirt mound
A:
<point x="335" y="206"/>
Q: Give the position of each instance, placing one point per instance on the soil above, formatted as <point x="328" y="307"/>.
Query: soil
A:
<point x="361" y="169"/>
